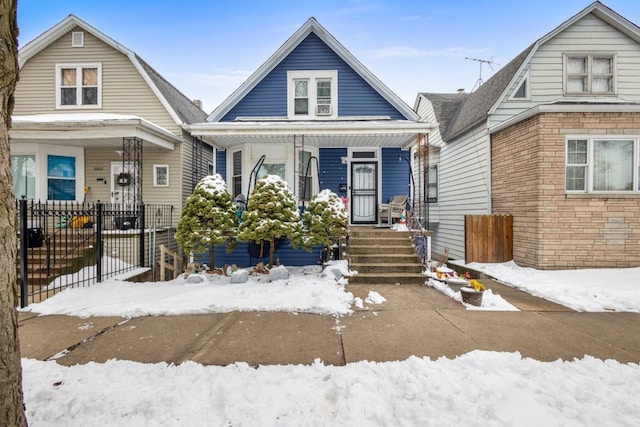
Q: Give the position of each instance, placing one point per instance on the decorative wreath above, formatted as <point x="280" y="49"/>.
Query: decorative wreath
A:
<point x="124" y="179"/>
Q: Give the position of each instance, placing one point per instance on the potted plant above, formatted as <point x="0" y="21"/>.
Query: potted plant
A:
<point x="472" y="294"/>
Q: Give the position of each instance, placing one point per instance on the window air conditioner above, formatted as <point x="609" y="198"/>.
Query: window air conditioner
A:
<point x="323" y="110"/>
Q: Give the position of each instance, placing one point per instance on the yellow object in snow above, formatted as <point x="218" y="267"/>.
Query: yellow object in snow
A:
<point x="78" y="221"/>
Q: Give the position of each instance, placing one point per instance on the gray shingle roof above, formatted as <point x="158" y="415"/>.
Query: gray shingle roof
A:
<point x="457" y="113"/>
<point x="183" y="106"/>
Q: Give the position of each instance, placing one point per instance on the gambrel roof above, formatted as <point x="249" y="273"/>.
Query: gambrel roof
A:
<point x="179" y="106"/>
<point x="477" y="106"/>
<point x="311" y="26"/>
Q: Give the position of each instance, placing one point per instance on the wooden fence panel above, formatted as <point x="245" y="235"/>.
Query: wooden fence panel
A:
<point x="488" y="238"/>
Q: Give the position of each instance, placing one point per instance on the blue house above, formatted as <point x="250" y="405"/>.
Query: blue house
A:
<point x="315" y="116"/>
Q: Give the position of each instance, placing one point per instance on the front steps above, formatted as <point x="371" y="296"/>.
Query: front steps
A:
<point x="383" y="256"/>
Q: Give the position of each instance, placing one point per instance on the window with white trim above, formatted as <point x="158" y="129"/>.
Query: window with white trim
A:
<point x="312" y="94"/>
<point x="236" y="173"/>
<point x="305" y="176"/>
<point x="160" y="175"/>
<point x="61" y="177"/>
<point x="591" y="74"/>
<point x="602" y="165"/>
<point x="78" y="85"/>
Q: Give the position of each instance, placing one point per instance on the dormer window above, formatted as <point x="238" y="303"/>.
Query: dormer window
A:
<point x="312" y="95"/>
<point x="589" y="74"/>
<point x="78" y="85"/>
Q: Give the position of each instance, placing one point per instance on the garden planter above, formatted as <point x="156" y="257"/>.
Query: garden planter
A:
<point x="471" y="296"/>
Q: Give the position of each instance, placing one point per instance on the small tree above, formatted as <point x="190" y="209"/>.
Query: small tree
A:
<point x="272" y="213"/>
<point x="325" y="220"/>
<point x="207" y="215"/>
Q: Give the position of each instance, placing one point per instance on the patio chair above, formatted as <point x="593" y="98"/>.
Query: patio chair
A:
<point x="393" y="209"/>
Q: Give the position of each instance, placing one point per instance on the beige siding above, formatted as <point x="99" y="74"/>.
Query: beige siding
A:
<point x="590" y="34"/>
<point x="124" y="91"/>
<point x="98" y="175"/>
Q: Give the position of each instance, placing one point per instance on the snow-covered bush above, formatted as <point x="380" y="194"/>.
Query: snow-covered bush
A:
<point x="272" y="213"/>
<point x="325" y="220"/>
<point x="208" y="216"/>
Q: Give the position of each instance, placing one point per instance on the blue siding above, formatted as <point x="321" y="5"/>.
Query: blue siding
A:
<point x="221" y="163"/>
<point x="287" y="255"/>
<point x="395" y="173"/>
<point x="355" y="96"/>
<point x="332" y="171"/>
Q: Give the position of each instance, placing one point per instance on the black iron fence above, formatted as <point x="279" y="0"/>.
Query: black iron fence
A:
<point x="69" y="244"/>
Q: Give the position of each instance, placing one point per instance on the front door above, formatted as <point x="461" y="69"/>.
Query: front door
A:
<point x="364" y="192"/>
<point x="123" y="179"/>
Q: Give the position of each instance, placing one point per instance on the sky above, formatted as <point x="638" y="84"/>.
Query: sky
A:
<point x="207" y="48"/>
<point x="479" y="388"/>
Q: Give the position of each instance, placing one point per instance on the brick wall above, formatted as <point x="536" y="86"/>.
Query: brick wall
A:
<point x="553" y="230"/>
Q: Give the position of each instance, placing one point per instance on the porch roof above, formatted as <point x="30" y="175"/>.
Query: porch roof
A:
<point x="354" y="132"/>
<point x="89" y="129"/>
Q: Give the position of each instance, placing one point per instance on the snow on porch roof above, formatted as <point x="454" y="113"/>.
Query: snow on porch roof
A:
<point x="90" y="126"/>
<point x="351" y="133"/>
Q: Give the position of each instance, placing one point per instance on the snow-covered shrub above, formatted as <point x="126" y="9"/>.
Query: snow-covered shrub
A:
<point x="272" y="213"/>
<point x="325" y="220"/>
<point x="207" y="218"/>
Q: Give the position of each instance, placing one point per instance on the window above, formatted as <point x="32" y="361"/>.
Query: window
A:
<point x="61" y="178"/>
<point x="23" y="172"/>
<point x="312" y="94"/>
<point x="210" y="168"/>
<point x="522" y="92"/>
<point x="160" y="175"/>
<point x="602" y="165"/>
<point x="236" y="178"/>
<point x="432" y="186"/>
<point x="589" y="75"/>
<point x="278" y="169"/>
<point x="301" y="99"/>
<point x="78" y="85"/>
<point x="305" y="181"/>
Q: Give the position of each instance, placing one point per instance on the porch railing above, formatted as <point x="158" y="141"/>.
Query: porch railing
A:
<point x="69" y="244"/>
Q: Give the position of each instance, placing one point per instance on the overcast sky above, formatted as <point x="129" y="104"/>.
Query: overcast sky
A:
<point x="207" y="48"/>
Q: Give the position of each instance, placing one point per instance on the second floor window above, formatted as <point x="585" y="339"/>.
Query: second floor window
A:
<point x="312" y="94"/>
<point x="589" y="75"/>
<point x="78" y="85"/>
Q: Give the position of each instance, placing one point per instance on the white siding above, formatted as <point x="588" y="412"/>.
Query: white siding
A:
<point x="463" y="189"/>
<point x="588" y="35"/>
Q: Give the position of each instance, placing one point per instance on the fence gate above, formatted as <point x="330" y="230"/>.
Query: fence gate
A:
<point x="488" y="238"/>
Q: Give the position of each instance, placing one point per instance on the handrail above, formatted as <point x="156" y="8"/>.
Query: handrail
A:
<point x="254" y="173"/>
<point x="306" y="174"/>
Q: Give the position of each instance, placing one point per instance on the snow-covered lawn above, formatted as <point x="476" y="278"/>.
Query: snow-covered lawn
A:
<point x="479" y="388"/>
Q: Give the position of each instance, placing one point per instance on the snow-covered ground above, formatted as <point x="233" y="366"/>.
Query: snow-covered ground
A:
<point x="479" y="388"/>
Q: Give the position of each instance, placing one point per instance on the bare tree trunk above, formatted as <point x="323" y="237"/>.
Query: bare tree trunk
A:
<point x="11" y="400"/>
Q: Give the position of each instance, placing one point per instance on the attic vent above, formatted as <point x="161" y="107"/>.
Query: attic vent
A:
<point x="77" y="39"/>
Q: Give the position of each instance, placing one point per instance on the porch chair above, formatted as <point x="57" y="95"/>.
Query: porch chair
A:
<point x="393" y="209"/>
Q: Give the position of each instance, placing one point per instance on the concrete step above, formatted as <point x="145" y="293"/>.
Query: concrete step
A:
<point x="383" y="258"/>
<point x="381" y="249"/>
<point x="387" y="268"/>
<point x="391" y="278"/>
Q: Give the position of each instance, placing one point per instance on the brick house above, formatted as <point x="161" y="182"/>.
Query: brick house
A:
<point x="553" y="139"/>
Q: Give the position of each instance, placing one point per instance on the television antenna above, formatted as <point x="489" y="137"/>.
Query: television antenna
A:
<point x="489" y="62"/>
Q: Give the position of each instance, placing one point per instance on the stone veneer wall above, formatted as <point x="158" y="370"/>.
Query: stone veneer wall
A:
<point x="554" y="230"/>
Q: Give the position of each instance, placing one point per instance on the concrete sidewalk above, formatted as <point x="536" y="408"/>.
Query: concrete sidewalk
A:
<point x="414" y="321"/>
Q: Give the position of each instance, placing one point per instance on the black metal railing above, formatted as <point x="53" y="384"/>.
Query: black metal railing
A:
<point x="70" y="244"/>
<point x="420" y="236"/>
